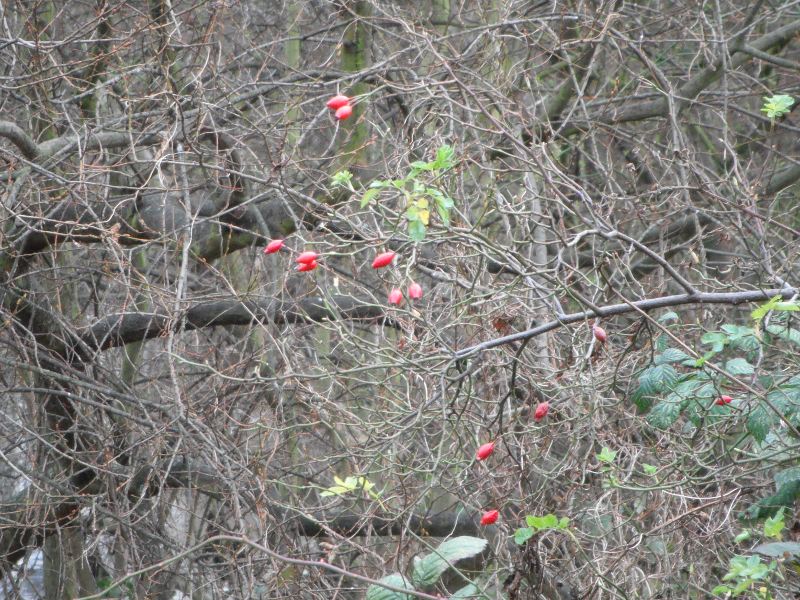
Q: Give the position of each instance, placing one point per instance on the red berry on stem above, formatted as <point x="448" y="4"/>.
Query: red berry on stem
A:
<point x="309" y="266"/>
<point x="599" y="333"/>
<point x="337" y="102"/>
<point x="395" y="296"/>
<point x="485" y="451"/>
<point x="490" y="517"/>
<point x="415" y="291"/>
<point x="307" y="257"/>
<point x="541" y="411"/>
<point x="273" y="247"/>
<point x="723" y="400"/>
<point x="344" y="112"/>
<point x="382" y="260"/>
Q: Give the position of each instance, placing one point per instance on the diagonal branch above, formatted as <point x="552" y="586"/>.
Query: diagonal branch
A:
<point x="732" y="298"/>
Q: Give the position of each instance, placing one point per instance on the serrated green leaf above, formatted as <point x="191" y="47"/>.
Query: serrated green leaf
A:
<point x="661" y="343"/>
<point x="761" y="311"/>
<point x="419" y="165"/>
<point x="773" y="526"/>
<point x="778" y="549"/>
<point x="694" y="412"/>
<point x="375" y="592"/>
<point x="416" y="230"/>
<point x="759" y="423"/>
<point x="342" y="178"/>
<point x="649" y="469"/>
<point x="776" y="106"/>
<point x="658" y="378"/>
<point x="642" y="402"/>
<point x="664" y="415"/>
<point x="368" y="196"/>
<point x="715" y="339"/>
<point x="739" y="366"/>
<point x="785" y="333"/>
<point x="789" y="475"/>
<point x="741" y="337"/>
<point x="445" y="156"/>
<point x="668" y="316"/>
<point x="671" y="355"/>
<point x="606" y="455"/>
<point x="443" y="206"/>
<point x="430" y="567"/>
<point x="523" y="534"/>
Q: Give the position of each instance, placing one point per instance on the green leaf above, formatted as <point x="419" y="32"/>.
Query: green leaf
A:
<point x="701" y="361"/>
<point x="445" y="157"/>
<point x="643" y="402"/>
<point x="671" y="355"/>
<point x="792" y="474"/>
<point x="419" y="165"/>
<point x="549" y="521"/>
<point x="785" y="333"/>
<point x="721" y="590"/>
<point x="742" y="537"/>
<point x="741" y="337"/>
<point x="664" y="414"/>
<point x="778" y="549"/>
<point x="469" y="591"/>
<point x="523" y="534"/>
<point x="351" y="484"/>
<point x="759" y="423"/>
<point x="650" y="469"/>
<point x="769" y="506"/>
<point x="658" y="378"/>
<point x="739" y="366"/>
<point x="443" y="206"/>
<point x="773" y="526"/>
<point x="375" y="592"/>
<point x="606" y="455"/>
<point x="369" y="195"/>
<point x="668" y="316"/>
<point x="342" y="179"/>
<point x="416" y="230"/>
<point x="716" y="339"/>
<point x="760" y="312"/>
<point x="428" y="569"/>
<point x="777" y="106"/>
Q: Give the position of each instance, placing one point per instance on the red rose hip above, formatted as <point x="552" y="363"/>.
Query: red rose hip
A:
<point x="309" y="266"/>
<point x="307" y="257"/>
<point x="490" y="517"/>
<point x="273" y="247"/>
<point x="395" y="296"/>
<point x="485" y="451"/>
<point x="415" y="291"/>
<point x="541" y="411"/>
<point x="344" y="112"/>
<point x="337" y="102"/>
<point x="599" y="333"/>
<point x="383" y="259"/>
<point x="723" y="400"/>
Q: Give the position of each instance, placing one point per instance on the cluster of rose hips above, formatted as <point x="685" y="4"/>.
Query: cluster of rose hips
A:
<point x="486" y="450"/>
<point x="340" y="104"/>
<point x="308" y="261"/>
